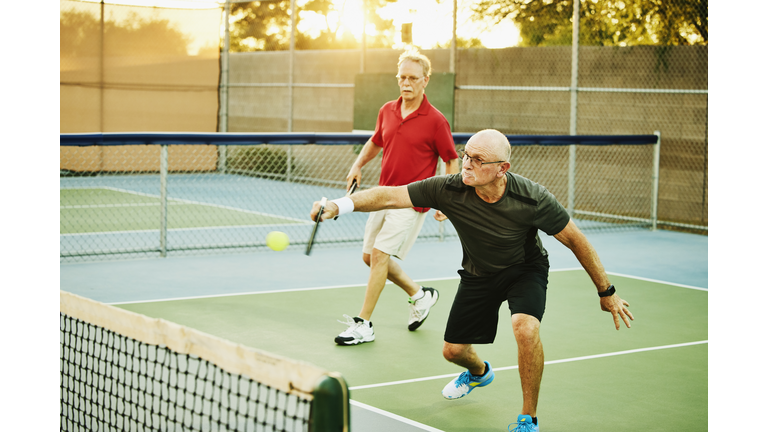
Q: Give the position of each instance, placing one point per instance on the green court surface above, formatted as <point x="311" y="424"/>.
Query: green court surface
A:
<point x="90" y="210"/>
<point x="652" y="377"/>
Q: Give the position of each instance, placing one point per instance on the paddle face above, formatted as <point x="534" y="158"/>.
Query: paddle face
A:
<point x="317" y="225"/>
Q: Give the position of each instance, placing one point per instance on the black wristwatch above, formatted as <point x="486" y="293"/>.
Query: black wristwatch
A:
<point x="607" y="293"/>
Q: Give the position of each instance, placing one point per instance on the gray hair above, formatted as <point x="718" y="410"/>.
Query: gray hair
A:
<point x="412" y="54"/>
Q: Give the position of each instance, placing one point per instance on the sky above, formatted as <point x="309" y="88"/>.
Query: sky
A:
<point x="432" y="22"/>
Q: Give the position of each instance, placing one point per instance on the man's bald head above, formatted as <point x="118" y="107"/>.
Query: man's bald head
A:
<point x="494" y="141"/>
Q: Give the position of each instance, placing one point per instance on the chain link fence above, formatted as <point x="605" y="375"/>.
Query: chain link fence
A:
<point x="172" y="199"/>
<point x="130" y="68"/>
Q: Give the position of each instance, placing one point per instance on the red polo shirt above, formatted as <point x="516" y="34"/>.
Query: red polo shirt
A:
<point x="412" y="145"/>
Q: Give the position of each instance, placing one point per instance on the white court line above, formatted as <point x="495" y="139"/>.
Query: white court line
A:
<point x="610" y="273"/>
<point x="364" y="283"/>
<point x="635" y="277"/>
<point x="394" y="416"/>
<point x="568" y="360"/>
<point x="240" y="294"/>
<point x="658" y="281"/>
<point x="271" y="291"/>
<point x="181" y="201"/>
<point x="207" y="228"/>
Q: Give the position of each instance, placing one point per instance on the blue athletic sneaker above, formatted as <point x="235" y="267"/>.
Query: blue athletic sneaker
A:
<point x="524" y="424"/>
<point x="466" y="382"/>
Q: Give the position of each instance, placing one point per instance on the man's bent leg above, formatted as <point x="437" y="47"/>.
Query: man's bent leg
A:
<point x="379" y="263"/>
<point x="530" y="358"/>
<point x="478" y="373"/>
<point x="465" y="356"/>
<point x="398" y="277"/>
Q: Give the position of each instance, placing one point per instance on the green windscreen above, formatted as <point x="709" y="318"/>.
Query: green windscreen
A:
<point x="372" y="90"/>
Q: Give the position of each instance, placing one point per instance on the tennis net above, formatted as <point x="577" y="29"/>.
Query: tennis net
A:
<point x="128" y="372"/>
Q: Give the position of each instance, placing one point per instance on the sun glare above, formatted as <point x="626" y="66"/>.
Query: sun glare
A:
<point x="431" y="19"/>
<point x="433" y="24"/>
<point x="352" y="17"/>
<point x="182" y="4"/>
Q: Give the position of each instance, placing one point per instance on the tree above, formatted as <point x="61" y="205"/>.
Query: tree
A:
<point x="462" y="43"/>
<point x="602" y="22"/>
<point x="266" y="25"/>
<point x="80" y="35"/>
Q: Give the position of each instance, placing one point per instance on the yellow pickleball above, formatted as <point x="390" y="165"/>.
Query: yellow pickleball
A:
<point x="277" y="240"/>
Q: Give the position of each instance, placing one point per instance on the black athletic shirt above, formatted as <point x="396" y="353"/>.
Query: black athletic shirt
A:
<point x="497" y="235"/>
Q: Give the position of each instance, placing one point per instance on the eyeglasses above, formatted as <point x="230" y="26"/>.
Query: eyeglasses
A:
<point x="475" y="161"/>
<point x="410" y="79"/>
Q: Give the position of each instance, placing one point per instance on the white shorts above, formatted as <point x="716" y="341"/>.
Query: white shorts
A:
<point x="393" y="231"/>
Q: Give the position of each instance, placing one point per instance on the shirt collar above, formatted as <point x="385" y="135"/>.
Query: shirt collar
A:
<point x="423" y="108"/>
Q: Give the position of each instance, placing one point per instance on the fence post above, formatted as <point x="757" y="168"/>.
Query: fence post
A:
<point x="362" y="38"/>
<point x="291" y="53"/>
<point x="571" y="179"/>
<point x="655" y="177"/>
<point x="288" y="161"/>
<point x="441" y="224"/>
<point x="574" y="110"/>
<point x="163" y="199"/>
<point x="224" y="89"/>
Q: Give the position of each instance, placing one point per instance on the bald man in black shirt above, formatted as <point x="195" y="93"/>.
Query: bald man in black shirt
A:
<point x="497" y="216"/>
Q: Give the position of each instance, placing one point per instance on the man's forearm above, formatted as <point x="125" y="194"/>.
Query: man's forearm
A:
<point x="367" y="153"/>
<point x="589" y="259"/>
<point x="577" y="242"/>
<point x="381" y="198"/>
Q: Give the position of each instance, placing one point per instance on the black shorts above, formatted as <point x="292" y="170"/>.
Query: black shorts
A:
<point x="474" y="315"/>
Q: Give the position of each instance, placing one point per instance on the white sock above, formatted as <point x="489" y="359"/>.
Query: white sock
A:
<point x="419" y="294"/>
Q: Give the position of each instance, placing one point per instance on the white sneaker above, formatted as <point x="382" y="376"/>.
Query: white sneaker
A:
<point x="357" y="332"/>
<point x="420" y="308"/>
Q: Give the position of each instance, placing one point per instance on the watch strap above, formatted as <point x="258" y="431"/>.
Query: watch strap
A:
<point x="607" y="293"/>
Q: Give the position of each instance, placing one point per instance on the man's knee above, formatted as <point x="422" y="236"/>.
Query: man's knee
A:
<point x="367" y="259"/>
<point x="378" y="257"/>
<point x="525" y="327"/>
<point x="452" y="352"/>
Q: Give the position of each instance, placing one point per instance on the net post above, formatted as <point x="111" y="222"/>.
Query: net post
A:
<point x="163" y="199"/>
<point x="655" y="180"/>
<point x="330" y="407"/>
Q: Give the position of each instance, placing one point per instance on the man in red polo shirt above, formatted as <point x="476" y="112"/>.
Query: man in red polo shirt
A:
<point x="413" y="134"/>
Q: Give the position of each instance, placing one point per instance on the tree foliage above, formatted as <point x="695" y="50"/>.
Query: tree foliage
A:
<point x="266" y="25"/>
<point x="80" y="36"/>
<point x="602" y="22"/>
<point x="462" y="43"/>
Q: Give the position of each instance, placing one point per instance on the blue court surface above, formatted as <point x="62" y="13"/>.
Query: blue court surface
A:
<point x="665" y="258"/>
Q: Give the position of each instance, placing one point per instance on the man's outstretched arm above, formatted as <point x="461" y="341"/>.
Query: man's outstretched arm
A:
<point x="378" y="198"/>
<point x="572" y="237"/>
